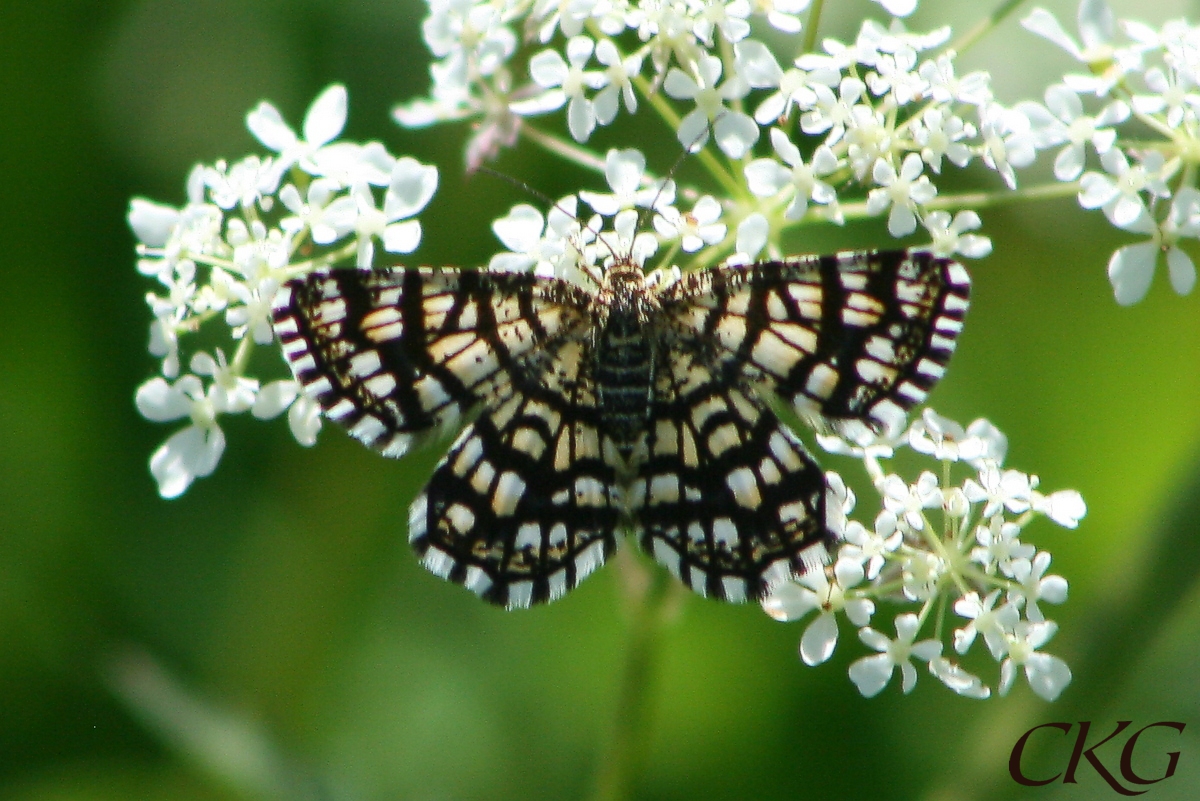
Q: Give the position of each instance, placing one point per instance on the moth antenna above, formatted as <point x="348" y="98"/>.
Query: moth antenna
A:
<point x="554" y="204"/>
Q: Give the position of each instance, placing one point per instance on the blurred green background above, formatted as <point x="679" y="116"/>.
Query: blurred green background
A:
<point x="270" y="636"/>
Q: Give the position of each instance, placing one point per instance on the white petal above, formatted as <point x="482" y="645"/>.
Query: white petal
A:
<point x="268" y="127"/>
<point x="1069" y="163"/>
<point x="520" y="229"/>
<point x="765" y="177"/>
<point x="1181" y="270"/>
<point x="152" y="223"/>
<point x="819" y="640"/>
<point x="901" y="221"/>
<point x="871" y="674"/>
<point x="412" y="186"/>
<point x="1095" y="190"/>
<point x="757" y="65"/>
<point x="789" y="601"/>
<point x="581" y="118"/>
<point x="623" y="169"/>
<point x="693" y="130"/>
<point x="326" y="116"/>
<point x="752" y="235"/>
<point x="1044" y="24"/>
<point x="158" y="401"/>
<point x="1130" y="271"/>
<point x="680" y="85"/>
<point x="304" y="420"/>
<point x="1097" y="24"/>
<point x="735" y="133"/>
<point x="1048" y="676"/>
<point x="402" y="237"/>
<point x="548" y="69"/>
<point x="274" y="398"/>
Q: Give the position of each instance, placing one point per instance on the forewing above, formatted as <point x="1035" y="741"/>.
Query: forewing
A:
<point x="524" y="506"/>
<point x="393" y="353"/>
<point x="857" y="335"/>
<point x="728" y="499"/>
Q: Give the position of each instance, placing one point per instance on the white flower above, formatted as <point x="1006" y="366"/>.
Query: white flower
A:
<point x="896" y="73"/>
<point x="1048" y="675"/>
<point x="783" y="15"/>
<point x="958" y="679"/>
<point x="1172" y="94"/>
<point x="1009" y="489"/>
<point x="813" y="590"/>
<point x="1036" y="586"/>
<point x="936" y="435"/>
<point x="1062" y="121"/>
<point x="940" y="134"/>
<point x="697" y="228"/>
<point x="246" y="183"/>
<point x="898" y="8"/>
<point x="304" y="414"/>
<point x="531" y="243"/>
<point x="872" y="673"/>
<point x="618" y="76"/>
<point x="1121" y="195"/>
<point x="1097" y="28"/>
<point x="735" y="132"/>
<point x="311" y="212"/>
<point x="949" y="237"/>
<point x="1008" y="141"/>
<point x="870" y="548"/>
<point x="467" y="36"/>
<point x="549" y="70"/>
<point x="752" y="235"/>
<point x="1065" y="507"/>
<point x="767" y="177"/>
<point x="1131" y="268"/>
<point x="323" y="121"/>
<point x="999" y="545"/>
<point x="229" y="392"/>
<point x="944" y="86"/>
<point x="921" y="572"/>
<point x="984" y="444"/>
<point x="832" y="113"/>
<point x="192" y="452"/>
<point x="728" y="16"/>
<point x="624" y="170"/>
<point x="993" y="624"/>
<point x="411" y="187"/>
<point x="902" y="192"/>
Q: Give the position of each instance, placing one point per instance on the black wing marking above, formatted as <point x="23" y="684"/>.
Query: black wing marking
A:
<point x="859" y="335"/>
<point x="728" y="500"/>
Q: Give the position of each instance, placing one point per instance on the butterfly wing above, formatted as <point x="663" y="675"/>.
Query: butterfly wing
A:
<point x="523" y="506"/>
<point x="860" y="335"/>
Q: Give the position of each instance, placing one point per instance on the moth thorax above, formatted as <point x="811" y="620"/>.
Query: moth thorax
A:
<point x="625" y="356"/>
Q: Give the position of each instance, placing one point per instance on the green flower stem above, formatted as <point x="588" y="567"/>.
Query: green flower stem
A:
<point x="977" y="32"/>
<point x="810" y="27"/>
<point x="621" y="760"/>
<point x="560" y="147"/>
<point x="971" y="200"/>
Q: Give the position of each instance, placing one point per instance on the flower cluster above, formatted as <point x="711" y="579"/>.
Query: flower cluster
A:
<point x="849" y="130"/>
<point x="246" y="228"/>
<point x="1143" y="87"/>
<point x="940" y="546"/>
<point x="879" y="118"/>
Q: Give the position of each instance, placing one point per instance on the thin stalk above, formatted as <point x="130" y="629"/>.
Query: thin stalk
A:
<point x="622" y="758"/>
<point x="559" y="147"/>
<point x="810" y="27"/>
<point x="973" y="200"/>
<point x="968" y="39"/>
